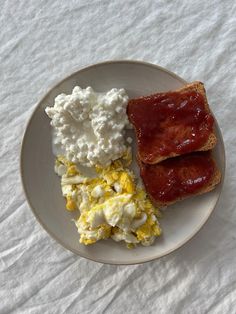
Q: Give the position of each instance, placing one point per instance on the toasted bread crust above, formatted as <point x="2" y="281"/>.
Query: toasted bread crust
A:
<point x="212" y="140"/>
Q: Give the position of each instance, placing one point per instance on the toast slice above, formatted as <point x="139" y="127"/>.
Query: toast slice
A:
<point x="180" y="177"/>
<point x="173" y="123"/>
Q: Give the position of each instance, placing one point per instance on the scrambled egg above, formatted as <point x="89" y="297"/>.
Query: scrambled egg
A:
<point x="111" y="205"/>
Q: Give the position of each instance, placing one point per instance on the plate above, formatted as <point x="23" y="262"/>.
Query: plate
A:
<point x="42" y="186"/>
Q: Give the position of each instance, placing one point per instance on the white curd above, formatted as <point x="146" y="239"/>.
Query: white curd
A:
<point x="89" y="126"/>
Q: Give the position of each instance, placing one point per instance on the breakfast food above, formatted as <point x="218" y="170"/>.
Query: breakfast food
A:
<point x="172" y="123"/>
<point x="89" y="131"/>
<point x="180" y="177"/>
<point x="89" y="126"/>
<point x="174" y="132"/>
<point x="111" y="205"/>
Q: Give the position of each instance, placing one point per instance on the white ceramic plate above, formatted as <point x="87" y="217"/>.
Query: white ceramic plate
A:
<point x="42" y="186"/>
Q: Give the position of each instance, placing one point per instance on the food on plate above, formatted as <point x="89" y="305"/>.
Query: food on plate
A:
<point x="89" y="126"/>
<point x="111" y="204"/>
<point x="89" y="133"/>
<point x="172" y="123"/>
<point x="180" y="177"/>
<point x="174" y="132"/>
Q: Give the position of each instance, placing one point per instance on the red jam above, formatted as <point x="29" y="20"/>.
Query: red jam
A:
<point x="178" y="177"/>
<point x="169" y="122"/>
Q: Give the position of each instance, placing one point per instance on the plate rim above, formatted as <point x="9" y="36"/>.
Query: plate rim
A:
<point x="54" y="237"/>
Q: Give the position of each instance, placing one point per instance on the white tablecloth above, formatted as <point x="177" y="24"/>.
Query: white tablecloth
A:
<point x="40" y="43"/>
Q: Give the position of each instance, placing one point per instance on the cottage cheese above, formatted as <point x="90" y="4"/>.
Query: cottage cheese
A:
<point x="89" y="126"/>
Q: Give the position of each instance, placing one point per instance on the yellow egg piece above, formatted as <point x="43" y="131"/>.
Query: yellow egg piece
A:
<point x="87" y="241"/>
<point x="72" y="171"/>
<point x="126" y="183"/>
<point x="70" y="203"/>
